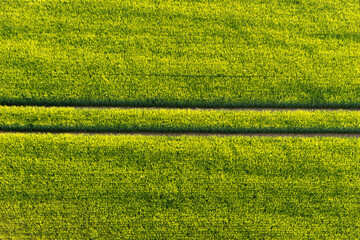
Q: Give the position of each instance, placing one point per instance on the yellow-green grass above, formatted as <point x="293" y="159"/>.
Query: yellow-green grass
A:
<point x="180" y="53"/>
<point x="59" y="119"/>
<point x="135" y="187"/>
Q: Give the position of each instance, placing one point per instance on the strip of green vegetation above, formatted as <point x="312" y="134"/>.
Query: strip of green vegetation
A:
<point x="135" y="187"/>
<point x="176" y="120"/>
<point x="180" y="53"/>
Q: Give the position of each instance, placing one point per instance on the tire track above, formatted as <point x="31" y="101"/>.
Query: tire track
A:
<point x="194" y="108"/>
<point x="223" y="109"/>
<point x="340" y="135"/>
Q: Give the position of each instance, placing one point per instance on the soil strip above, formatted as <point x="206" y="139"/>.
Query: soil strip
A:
<point x="196" y="108"/>
<point x="341" y="135"/>
<point x="227" y="109"/>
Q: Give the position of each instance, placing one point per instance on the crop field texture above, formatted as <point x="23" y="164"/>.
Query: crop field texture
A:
<point x="199" y="64"/>
<point x="136" y="187"/>
<point x="58" y="119"/>
<point x="180" y="53"/>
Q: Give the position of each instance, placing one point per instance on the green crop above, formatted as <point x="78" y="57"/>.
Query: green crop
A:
<point x="135" y="187"/>
<point x="180" y="53"/>
<point x="176" y="120"/>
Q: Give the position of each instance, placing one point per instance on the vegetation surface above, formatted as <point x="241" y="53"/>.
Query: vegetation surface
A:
<point x="135" y="187"/>
<point x="175" y="120"/>
<point x="198" y="53"/>
<point x="180" y="53"/>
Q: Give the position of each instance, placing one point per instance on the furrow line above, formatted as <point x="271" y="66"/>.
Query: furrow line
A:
<point x="341" y="135"/>
<point x="192" y="108"/>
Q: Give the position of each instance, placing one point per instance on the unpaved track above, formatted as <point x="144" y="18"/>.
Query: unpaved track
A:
<point x="198" y="108"/>
<point x="227" y="109"/>
<point x="341" y="135"/>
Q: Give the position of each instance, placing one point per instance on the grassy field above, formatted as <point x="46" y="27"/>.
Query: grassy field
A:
<point x="176" y="120"/>
<point x="171" y="53"/>
<point x="180" y="53"/>
<point x="133" y="187"/>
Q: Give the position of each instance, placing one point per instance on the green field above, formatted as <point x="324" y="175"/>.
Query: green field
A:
<point x="55" y="54"/>
<point x="180" y="53"/>
<point x="135" y="187"/>
<point x="176" y="120"/>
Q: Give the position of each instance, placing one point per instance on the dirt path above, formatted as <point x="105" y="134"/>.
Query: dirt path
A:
<point x="214" y="109"/>
<point x="341" y="135"/>
<point x="227" y="109"/>
<point x="198" y="108"/>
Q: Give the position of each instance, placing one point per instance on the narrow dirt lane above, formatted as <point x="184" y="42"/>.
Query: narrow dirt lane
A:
<point x="229" y="109"/>
<point x="198" y="108"/>
<point x="341" y="135"/>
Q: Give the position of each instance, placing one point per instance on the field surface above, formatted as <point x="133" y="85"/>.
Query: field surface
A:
<point x="180" y="53"/>
<point x="63" y="61"/>
<point x="57" y="119"/>
<point x="132" y="187"/>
